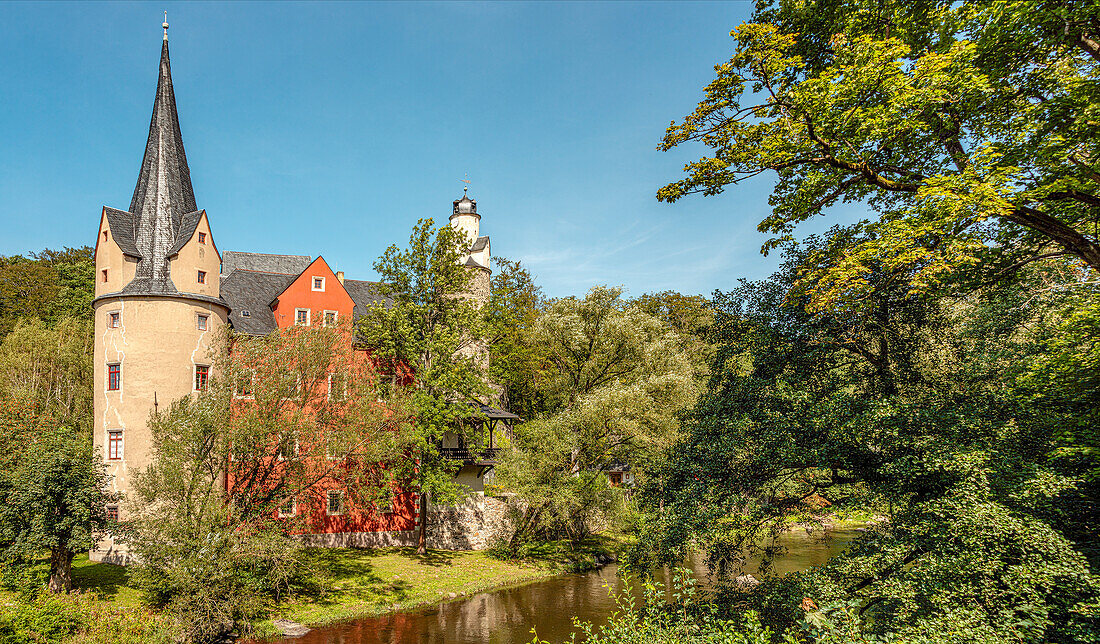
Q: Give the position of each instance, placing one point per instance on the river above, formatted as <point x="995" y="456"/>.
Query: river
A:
<point x="507" y="616"/>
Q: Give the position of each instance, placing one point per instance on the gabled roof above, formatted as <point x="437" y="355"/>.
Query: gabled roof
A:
<point x="187" y="230"/>
<point x="365" y="294"/>
<point x="249" y="295"/>
<point x="286" y="264"/>
<point x="479" y="243"/>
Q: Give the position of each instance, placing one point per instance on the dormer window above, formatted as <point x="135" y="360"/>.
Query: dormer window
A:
<point x="318" y="283"/>
<point x="202" y="277"/>
<point x="202" y="238"/>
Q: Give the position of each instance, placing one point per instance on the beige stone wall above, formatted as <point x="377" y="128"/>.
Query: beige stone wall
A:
<point x="157" y="346"/>
<point x="475" y="523"/>
<point x="120" y="269"/>
<point x="468" y="224"/>
<point x="195" y="257"/>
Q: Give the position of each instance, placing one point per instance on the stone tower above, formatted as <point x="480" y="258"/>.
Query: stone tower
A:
<point x="464" y="218"/>
<point x="157" y="301"/>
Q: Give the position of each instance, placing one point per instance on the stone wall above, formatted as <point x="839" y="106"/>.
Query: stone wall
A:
<point x="473" y="524"/>
<point x="360" y="539"/>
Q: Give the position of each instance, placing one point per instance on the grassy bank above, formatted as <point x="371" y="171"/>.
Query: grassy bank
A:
<point x="344" y="584"/>
<point x="360" y="583"/>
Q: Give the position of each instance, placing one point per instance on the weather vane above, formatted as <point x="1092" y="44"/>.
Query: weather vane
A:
<point x="467" y="182"/>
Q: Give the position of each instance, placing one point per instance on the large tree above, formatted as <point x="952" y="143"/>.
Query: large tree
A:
<point x="968" y="127"/>
<point x="433" y="329"/>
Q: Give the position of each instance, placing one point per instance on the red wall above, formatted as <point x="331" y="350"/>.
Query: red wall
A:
<point x="300" y="295"/>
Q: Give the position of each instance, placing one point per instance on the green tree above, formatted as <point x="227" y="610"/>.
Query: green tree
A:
<point x="52" y="491"/>
<point x="620" y="377"/>
<point x="967" y="126"/>
<point x="435" y="330"/>
<point x="49" y="285"/>
<point x="911" y="404"/>
<point x="286" y="418"/>
<point x="518" y="360"/>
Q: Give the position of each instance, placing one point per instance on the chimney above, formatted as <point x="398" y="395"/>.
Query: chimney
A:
<point x="340" y="276"/>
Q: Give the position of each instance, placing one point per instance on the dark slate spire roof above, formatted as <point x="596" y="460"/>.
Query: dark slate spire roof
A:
<point x="163" y="209"/>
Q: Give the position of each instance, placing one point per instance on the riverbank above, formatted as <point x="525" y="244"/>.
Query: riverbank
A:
<point x="354" y="583"/>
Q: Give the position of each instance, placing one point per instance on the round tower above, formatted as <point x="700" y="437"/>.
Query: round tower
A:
<point x="157" y="305"/>
<point x="466" y="220"/>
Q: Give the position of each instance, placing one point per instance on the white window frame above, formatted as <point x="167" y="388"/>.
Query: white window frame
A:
<point x="296" y="312"/>
<point x="202" y="321"/>
<point x="387" y="508"/>
<point x="335" y="317"/>
<point x="328" y="392"/>
<point x="293" y="509"/>
<point x="121" y="445"/>
<point x="328" y="503"/>
<point x="313" y="283"/>
<point x="280" y="456"/>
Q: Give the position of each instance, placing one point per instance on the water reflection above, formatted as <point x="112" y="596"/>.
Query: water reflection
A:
<point x="507" y="616"/>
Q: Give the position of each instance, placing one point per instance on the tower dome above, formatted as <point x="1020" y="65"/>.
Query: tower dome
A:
<point x="464" y="206"/>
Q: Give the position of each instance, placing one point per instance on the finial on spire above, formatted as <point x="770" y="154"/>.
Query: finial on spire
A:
<point x="165" y="25"/>
<point x="467" y="186"/>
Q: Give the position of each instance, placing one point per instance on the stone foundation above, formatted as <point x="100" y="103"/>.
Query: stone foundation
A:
<point x="359" y="539"/>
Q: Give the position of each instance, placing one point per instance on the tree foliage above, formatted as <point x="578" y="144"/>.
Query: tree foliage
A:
<point x="969" y="127"/>
<point x="433" y="328"/>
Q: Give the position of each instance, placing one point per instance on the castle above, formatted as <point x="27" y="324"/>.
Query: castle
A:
<point x="164" y="290"/>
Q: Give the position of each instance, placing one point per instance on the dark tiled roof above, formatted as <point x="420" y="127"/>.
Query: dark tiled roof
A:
<point x="122" y="231"/>
<point x="263" y="262"/>
<point x="187" y="230"/>
<point x="365" y="294"/>
<point x="479" y="243"/>
<point x="249" y="295"/>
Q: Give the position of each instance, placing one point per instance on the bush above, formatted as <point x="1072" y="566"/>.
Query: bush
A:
<point x="46" y="618"/>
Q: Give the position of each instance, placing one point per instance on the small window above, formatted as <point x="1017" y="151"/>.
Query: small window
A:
<point x="246" y="313"/>
<point x="330" y="318"/>
<point x="335" y="503"/>
<point x="114" y="377"/>
<point x="288" y="509"/>
<point x="202" y="238"/>
<point x="202" y="376"/>
<point x="202" y="277"/>
<point x="288" y="448"/>
<point x="105" y="235"/>
<point x="318" y="283"/>
<point x="201" y="321"/>
<point x="242" y="388"/>
<point x="384" y="505"/>
<point x="337" y="387"/>
<point x="112" y="513"/>
<point x="114" y="319"/>
<point x="301" y="317"/>
<point x="104" y="273"/>
<point x="114" y="445"/>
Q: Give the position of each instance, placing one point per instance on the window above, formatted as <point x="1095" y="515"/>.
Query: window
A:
<point x="200" y="322"/>
<point x="112" y="513"/>
<point x="288" y="509"/>
<point x="288" y="448"/>
<point x="202" y="376"/>
<point x="318" y="283"/>
<point x="337" y="387"/>
<point x="104" y="272"/>
<point x="114" y="444"/>
<point x="242" y="388"/>
<point x="330" y="318"/>
<point x="202" y="277"/>
<point x="335" y="503"/>
<point x="301" y="317"/>
<point x="114" y="377"/>
<point x="105" y="235"/>
<point x="384" y="505"/>
<point x="202" y="238"/>
<point x="246" y="313"/>
<point x="114" y="319"/>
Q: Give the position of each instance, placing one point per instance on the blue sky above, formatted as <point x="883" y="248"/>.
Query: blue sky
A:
<point x="330" y="128"/>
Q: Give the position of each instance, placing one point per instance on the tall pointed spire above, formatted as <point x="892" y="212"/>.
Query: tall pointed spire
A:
<point x="163" y="194"/>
